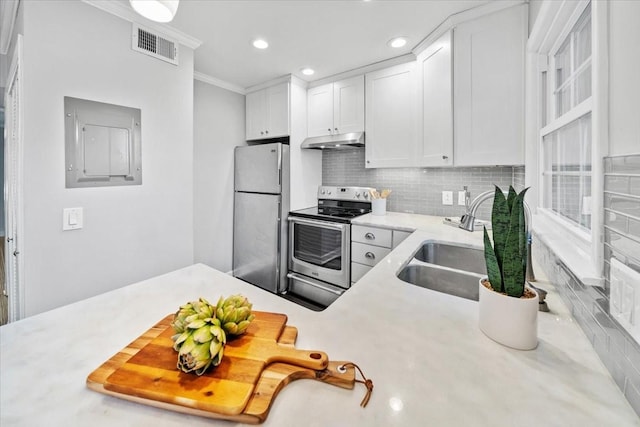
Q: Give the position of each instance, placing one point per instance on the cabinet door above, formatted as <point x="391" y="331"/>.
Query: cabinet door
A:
<point x="489" y="56"/>
<point x="437" y="100"/>
<point x="348" y="105"/>
<point x="391" y="117"/>
<point x="256" y="122"/>
<point x="320" y="110"/>
<point x="278" y="110"/>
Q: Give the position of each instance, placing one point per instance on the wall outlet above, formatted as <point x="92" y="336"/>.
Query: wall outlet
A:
<point x="461" y="197"/>
<point x="447" y="197"/>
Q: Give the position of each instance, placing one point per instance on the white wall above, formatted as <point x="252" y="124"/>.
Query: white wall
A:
<point x="306" y="165"/>
<point x="131" y="232"/>
<point x="624" y="63"/>
<point x="219" y="126"/>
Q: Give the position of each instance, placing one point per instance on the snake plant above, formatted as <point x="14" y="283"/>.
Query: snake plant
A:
<point x="506" y="259"/>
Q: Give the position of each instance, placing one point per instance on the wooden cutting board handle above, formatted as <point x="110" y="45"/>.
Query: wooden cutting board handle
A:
<point x="312" y="359"/>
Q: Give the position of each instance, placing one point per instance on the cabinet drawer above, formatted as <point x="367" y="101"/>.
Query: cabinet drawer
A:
<point x="367" y="254"/>
<point x="358" y="270"/>
<point x="371" y="235"/>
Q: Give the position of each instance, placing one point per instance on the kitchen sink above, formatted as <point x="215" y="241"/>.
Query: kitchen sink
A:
<point x="459" y="257"/>
<point x="453" y="269"/>
<point x="458" y="283"/>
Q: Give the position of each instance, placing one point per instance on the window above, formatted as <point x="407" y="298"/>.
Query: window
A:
<point x="567" y="173"/>
<point x="566" y="140"/>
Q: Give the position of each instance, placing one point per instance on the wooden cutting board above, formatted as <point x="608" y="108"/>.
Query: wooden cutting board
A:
<point x="145" y="372"/>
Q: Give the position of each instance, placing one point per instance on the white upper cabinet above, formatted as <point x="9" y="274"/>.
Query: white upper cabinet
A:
<point x="336" y="107"/>
<point x="437" y="103"/>
<point x="268" y="112"/>
<point x="392" y="122"/>
<point x="488" y="87"/>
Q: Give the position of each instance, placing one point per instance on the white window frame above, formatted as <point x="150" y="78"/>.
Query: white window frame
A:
<point x="571" y="243"/>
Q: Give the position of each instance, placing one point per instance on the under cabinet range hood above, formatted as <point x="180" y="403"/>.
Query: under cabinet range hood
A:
<point x="334" y="142"/>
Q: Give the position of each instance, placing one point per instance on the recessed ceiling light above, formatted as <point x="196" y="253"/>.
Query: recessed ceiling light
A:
<point x="307" y="71"/>
<point x="397" y="42"/>
<point x="260" y="44"/>
<point x="156" y="10"/>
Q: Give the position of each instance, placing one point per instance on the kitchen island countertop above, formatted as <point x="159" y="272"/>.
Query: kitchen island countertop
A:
<point x="429" y="362"/>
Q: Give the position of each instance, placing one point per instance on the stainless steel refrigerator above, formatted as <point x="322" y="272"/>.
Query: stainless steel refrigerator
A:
<point x="261" y="207"/>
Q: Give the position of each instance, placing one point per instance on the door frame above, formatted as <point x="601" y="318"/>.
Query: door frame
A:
<point x="13" y="176"/>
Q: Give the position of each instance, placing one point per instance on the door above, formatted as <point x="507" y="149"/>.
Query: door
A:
<point x="256" y="114"/>
<point x="391" y="117"/>
<point x="488" y="87"/>
<point x="278" y="110"/>
<point x="320" y="249"/>
<point x="348" y="105"/>
<point x="320" y="110"/>
<point x="13" y="188"/>
<point x="258" y="168"/>
<point x="256" y="239"/>
<point x="437" y="103"/>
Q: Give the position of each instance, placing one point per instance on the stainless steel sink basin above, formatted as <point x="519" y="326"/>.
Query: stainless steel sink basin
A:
<point x="451" y="255"/>
<point x="453" y="269"/>
<point x="453" y="282"/>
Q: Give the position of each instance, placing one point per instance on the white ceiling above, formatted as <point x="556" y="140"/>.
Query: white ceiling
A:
<point x="329" y="36"/>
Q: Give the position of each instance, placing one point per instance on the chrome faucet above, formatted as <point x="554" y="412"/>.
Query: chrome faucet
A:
<point x="467" y="222"/>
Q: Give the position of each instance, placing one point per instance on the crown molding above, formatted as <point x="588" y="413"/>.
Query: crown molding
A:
<point x="8" y="14"/>
<point x="385" y="63"/>
<point x="123" y="11"/>
<point x="205" y="78"/>
<point x="466" y="15"/>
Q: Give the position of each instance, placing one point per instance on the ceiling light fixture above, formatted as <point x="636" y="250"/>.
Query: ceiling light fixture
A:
<point x="307" y="71"/>
<point x="397" y="42"/>
<point x="156" y="10"/>
<point x="260" y="44"/>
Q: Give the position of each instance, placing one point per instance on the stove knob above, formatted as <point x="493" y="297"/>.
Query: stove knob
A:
<point x="357" y="195"/>
<point x="321" y="191"/>
<point x="328" y="191"/>
<point x="366" y="195"/>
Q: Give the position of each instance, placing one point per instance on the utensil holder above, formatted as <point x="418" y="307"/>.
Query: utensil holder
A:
<point x="379" y="207"/>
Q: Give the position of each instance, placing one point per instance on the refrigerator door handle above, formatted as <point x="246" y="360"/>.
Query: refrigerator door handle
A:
<point x="280" y="167"/>
<point x="278" y="219"/>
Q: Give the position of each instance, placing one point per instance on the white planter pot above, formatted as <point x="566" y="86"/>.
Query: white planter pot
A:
<point x="507" y="320"/>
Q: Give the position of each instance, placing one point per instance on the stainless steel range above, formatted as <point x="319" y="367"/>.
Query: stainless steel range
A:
<point x="320" y="245"/>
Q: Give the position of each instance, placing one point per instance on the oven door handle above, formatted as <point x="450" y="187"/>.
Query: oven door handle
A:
<point x="322" y="224"/>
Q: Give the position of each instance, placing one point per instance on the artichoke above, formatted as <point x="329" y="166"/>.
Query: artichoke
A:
<point x="199" y="338"/>
<point x="234" y="314"/>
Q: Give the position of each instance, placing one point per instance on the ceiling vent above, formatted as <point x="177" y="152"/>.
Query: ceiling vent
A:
<point x="153" y="44"/>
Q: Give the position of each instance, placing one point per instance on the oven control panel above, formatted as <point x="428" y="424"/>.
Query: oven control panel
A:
<point x="344" y="193"/>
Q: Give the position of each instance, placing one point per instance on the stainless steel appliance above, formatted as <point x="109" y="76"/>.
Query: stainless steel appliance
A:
<point x="261" y="204"/>
<point x="320" y="245"/>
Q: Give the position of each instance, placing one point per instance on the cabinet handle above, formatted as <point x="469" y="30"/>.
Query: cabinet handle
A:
<point x="261" y="133"/>
<point x="370" y="236"/>
<point x="370" y="255"/>
<point x="267" y="132"/>
<point x="445" y="157"/>
<point x="329" y="129"/>
<point x="336" y="129"/>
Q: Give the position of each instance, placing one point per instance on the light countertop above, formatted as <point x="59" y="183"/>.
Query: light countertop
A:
<point x="429" y="362"/>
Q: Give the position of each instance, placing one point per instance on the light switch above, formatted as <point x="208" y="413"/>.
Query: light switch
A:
<point x="72" y="218"/>
<point x="462" y="195"/>
<point x="447" y="197"/>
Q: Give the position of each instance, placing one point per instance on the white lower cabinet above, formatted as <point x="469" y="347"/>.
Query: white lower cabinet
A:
<point x="369" y="245"/>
